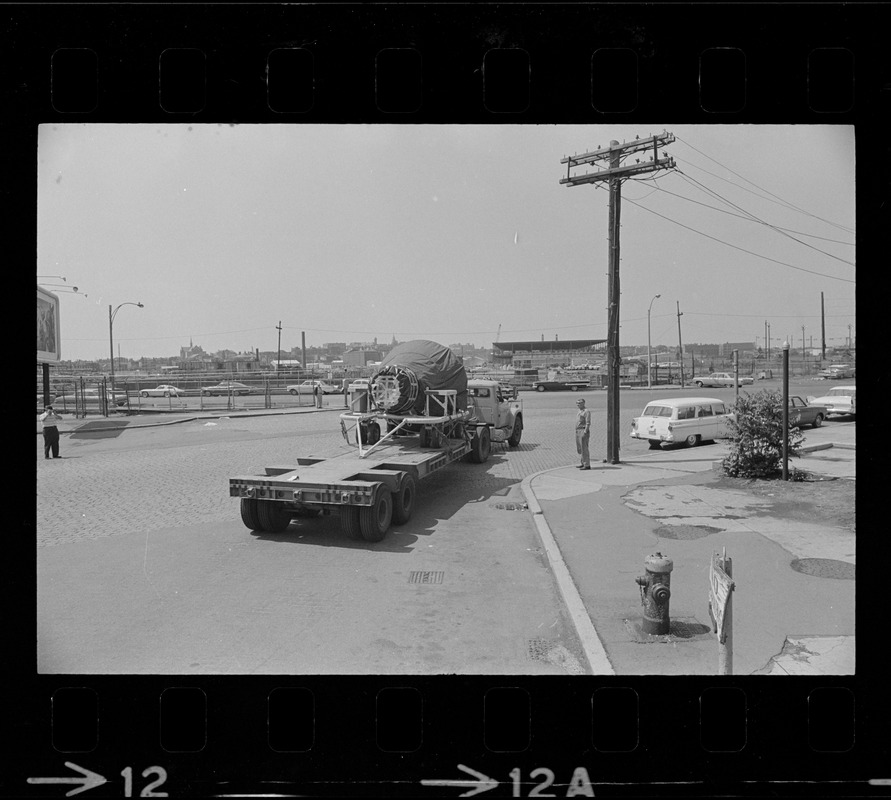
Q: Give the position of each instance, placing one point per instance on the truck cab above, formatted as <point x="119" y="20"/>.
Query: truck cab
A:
<point x="503" y="415"/>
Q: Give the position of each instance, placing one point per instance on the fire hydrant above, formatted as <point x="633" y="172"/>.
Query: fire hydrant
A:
<point x="655" y="591"/>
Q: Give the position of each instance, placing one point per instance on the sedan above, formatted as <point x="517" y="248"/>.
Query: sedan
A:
<point x="307" y="387"/>
<point x="225" y="387"/>
<point x="723" y="379"/>
<point x="801" y="413"/>
<point x="839" y="400"/>
<point x="164" y="390"/>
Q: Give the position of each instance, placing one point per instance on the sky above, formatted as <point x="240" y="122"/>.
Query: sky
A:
<point x="455" y="233"/>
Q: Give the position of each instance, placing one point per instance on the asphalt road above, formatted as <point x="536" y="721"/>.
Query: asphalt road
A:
<point x="144" y="565"/>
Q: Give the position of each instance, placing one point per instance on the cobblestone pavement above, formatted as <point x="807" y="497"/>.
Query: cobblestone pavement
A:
<point x="108" y="484"/>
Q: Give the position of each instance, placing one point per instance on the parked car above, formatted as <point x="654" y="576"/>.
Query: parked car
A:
<point x="90" y="397"/>
<point x="802" y="413"/>
<point x="164" y="390"/>
<point x="722" y="379"/>
<point x="683" y="419"/>
<point x="225" y="387"/>
<point x="838" y="400"/>
<point x="306" y="387"/>
<point x="837" y="372"/>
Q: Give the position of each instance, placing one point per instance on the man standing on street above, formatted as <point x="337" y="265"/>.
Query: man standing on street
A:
<point x="317" y="394"/>
<point x="49" y="423"/>
<point x="583" y="434"/>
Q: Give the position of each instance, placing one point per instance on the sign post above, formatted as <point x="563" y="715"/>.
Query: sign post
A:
<point x="720" y="607"/>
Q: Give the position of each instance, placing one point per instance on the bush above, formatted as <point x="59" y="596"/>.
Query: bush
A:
<point x="756" y="437"/>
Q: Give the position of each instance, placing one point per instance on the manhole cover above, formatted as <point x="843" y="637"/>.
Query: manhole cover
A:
<point x="685" y="531"/>
<point x="824" y="568"/>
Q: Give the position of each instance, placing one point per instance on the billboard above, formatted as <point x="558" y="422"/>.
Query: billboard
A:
<point x="48" y="330"/>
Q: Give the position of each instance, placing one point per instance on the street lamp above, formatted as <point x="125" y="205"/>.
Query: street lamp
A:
<point x="785" y="411"/>
<point x="649" y="380"/>
<point x="111" y="316"/>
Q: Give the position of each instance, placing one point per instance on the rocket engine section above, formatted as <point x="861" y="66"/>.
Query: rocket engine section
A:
<point x="409" y="369"/>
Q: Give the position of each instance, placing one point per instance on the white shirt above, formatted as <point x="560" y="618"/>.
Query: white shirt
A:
<point x="49" y="419"/>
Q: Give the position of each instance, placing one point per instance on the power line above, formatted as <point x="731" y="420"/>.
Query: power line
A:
<point x="736" y="247"/>
<point x="757" y="219"/>
<point x="780" y="199"/>
<point x="739" y="216"/>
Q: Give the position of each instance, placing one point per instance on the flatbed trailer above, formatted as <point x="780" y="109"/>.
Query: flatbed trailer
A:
<point x="373" y="486"/>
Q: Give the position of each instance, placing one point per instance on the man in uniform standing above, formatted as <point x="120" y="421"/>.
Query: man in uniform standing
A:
<point x="49" y="423"/>
<point x="583" y="433"/>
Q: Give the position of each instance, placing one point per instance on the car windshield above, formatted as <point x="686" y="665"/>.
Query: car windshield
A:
<point x="657" y="411"/>
<point x="841" y="392"/>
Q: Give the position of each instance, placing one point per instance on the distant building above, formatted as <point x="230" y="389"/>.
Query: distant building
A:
<point x="361" y="358"/>
<point x="537" y="354"/>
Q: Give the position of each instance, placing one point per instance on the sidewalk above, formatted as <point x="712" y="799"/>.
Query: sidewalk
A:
<point x="598" y="526"/>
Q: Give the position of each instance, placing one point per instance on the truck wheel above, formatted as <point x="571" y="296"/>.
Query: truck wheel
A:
<point x="349" y="522"/>
<point x="516" y="433"/>
<point x="404" y="500"/>
<point x="274" y="517"/>
<point x="249" y="514"/>
<point x="480" y="446"/>
<point x="374" y="520"/>
<point x="540" y="388"/>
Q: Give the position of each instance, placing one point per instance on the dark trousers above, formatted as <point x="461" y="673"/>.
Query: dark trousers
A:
<point x="51" y="441"/>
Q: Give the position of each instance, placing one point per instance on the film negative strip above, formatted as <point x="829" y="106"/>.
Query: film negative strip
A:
<point x="118" y="685"/>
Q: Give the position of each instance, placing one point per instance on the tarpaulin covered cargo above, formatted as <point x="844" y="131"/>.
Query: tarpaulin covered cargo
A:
<point x="419" y="365"/>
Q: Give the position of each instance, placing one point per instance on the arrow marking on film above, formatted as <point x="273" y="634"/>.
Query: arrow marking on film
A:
<point x="482" y="783"/>
<point x="90" y="780"/>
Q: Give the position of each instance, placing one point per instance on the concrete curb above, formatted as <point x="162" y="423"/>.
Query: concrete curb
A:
<point x="162" y="422"/>
<point x="595" y="654"/>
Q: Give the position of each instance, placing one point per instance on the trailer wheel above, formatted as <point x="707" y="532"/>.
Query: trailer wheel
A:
<point x="274" y="517"/>
<point x="374" y="520"/>
<point x="480" y="446"/>
<point x="349" y="522"/>
<point x="370" y="432"/>
<point x="249" y="514"/>
<point x="517" y="433"/>
<point x="404" y="500"/>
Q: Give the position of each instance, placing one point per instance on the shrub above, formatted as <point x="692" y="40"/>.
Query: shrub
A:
<point x="756" y="437"/>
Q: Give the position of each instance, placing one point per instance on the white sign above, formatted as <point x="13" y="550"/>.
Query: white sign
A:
<point x="719" y="588"/>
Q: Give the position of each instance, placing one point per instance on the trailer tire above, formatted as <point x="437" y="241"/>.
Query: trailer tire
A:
<point x="249" y="515"/>
<point x="481" y="446"/>
<point x="349" y="522"/>
<point x="404" y="499"/>
<point x="374" y="520"/>
<point x="274" y="517"/>
<point x="517" y="433"/>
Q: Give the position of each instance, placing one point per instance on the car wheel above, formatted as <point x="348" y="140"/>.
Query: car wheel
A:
<point x="166" y="394"/>
<point x="818" y="420"/>
<point x="698" y="383"/>
<point x="349" y="522"/>
<point x="292" y="391"/>
<point x="274" y="517"/>
<point x="404" y="500"/>
<point x="540" y="388"/>
<point x="374" y="520"/>
<point x="693" y="439"/>
<point x="249" y="514"/>
<point x="143" y="394"/>
<point x="516" y="433"/>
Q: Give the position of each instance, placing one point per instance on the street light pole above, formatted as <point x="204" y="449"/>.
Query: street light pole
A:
<point x="111" y="316"/>
<point x="786" y="411"/>
<point x="649" y="379"/>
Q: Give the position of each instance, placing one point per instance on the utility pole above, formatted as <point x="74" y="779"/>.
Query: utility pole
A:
<point x="822" y="328"/>
<point x="803" y="350"/>
<point x="680" y="345"/>
<point x="303" y="346"/>
<point x="278" y="364"/>
<point x="615" y="173"/>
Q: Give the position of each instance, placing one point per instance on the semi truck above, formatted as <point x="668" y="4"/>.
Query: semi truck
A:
<point x="400" y="430"/>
